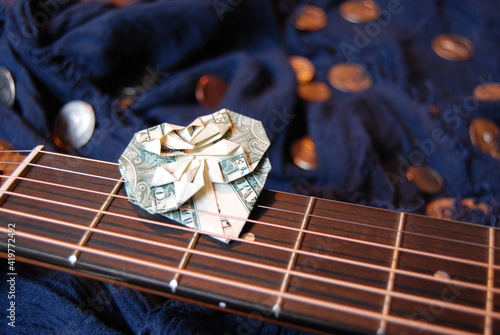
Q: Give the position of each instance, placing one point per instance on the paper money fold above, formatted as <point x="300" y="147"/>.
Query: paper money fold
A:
<point x="217" y="165"/>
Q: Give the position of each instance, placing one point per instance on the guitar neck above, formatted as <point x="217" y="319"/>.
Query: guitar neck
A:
<point x="316" y="264"/>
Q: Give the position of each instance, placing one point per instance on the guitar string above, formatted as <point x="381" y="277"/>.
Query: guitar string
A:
<point x="283" y="210"/>
<point x="325" y="218"/>
<point x="238" y="261"/>
<point x="258" y="289"/>
<point x="299" y="213"/>
<point x="309" y="232"/>
<point x="354" y="240"/>
<point x="326" y="280"/>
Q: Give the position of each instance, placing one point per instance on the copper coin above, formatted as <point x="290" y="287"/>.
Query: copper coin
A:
<point x="434" y="110"/>
<point x="74" y="125"/>
<point x="487" y="92"/>
<point x="310" y="18"/>
<point x="359" y="11"/>
<point x="425" y="178"/>
<point x="314" y="91"/>
<point x="453" y="47"/>
<point x="349" y="77"/>
<point x="210" y="91"/>
<point x="303" y="153"/>
<point x="485" y="136"/>
<point x="303" y="67"/>
<point x="443" y="208"/>
<point x="7" y="87"/>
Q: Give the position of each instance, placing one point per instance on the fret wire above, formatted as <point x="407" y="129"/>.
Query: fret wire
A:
<point x="488" y="322"/>
<point x="326" y="280"/>
<point x="85" y="238"/>
<point x="312" y="301"/>
<point x="272" y="246"/>
<point x="185" y="259"/>
<point x="293" y="256"/>
<point x="319" y="234"/>
<point x="288" y="211"/>
<point x="115" y="164"/>
<point x="19" y="171"/>
<point x="392" y="275"/>
<point x="381" y="228"/>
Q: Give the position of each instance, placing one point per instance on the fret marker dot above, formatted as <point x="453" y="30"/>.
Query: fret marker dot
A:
<point x="249" y="237"/>
<point x="173" y="285"/>
<point x="72" y="259"/>
<point x="441" y="274"/>
<point x="222" y="304"/>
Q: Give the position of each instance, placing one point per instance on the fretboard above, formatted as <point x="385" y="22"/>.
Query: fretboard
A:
<point x="306" y="262"/>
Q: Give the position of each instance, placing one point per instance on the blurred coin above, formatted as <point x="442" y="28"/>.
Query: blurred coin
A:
<point x="426" y="179"/>
<point x="210" y="91"/>
<point x="128" y="96"/>
<point x="349" y="77"/>
<point x="359" y="11"/>
<point x="443" y="208"/>
<point x="7" y="87"/>
<point x="314" y="91"/>
<point x="74" y="125"/>
<point x="434" y="110"/>
<point x="303" y="67"/>
<point x="303" y="153"/>
<point x="310" y="18"/>
<point x="440" y="208"/>
<point x="453" y="47"/>
<point x="487" y="92"/>
<point x="485" y="136"/>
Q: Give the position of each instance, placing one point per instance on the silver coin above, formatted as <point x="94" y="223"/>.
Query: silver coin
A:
<point x="487" y="92"/>
<point x="74" y="125"/>
<point x="349" y="77"/>
<point x="7" y="87"/>
<point x="453" y="47"/>
<point x="359" y="11"/>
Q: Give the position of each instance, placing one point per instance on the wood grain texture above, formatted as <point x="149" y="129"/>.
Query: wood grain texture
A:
<point x="338" y="281"/>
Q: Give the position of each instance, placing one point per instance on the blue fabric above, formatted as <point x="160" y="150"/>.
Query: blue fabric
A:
<point x="62" y="50"/>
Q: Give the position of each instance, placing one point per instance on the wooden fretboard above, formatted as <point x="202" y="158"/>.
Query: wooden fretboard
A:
<point x="316" y="264"/>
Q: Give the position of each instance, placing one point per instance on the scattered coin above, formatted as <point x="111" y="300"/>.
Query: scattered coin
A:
<point x="210" y="91"/>
<point x="434" y="110"/>
<point x="425" y="178"/>
<point x="310" y="18"/>
<point x="359" y="11"/>
<point x="487" y="92"/>
<point x="485" y="136"/>
<point x="74" y="125"/>
<point x="443" y="208"/>
<point x="7" y="87"/>
<point x="316" y="91"/>
<point x="349" y="77"/>
<point x="303" y="67"/>
<point x="128" y="96"/>
<point x="303" y="153"/>
<point x="453" y="47"/>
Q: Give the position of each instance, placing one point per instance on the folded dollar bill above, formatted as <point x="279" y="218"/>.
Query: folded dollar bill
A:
<point x="217" y="165"/>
